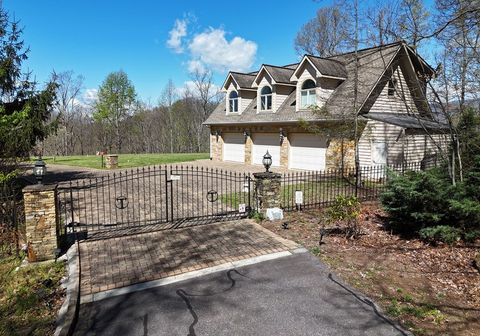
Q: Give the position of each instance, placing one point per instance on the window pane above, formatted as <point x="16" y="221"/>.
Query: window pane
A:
<point x="263" y="103"/>
<point x="230" y="107"/>
<point x="235" y="105"/>
<point x="266" y="90"/>
<point x="304" y="100"/>
<point x="269" y="102"/>
<point x="311" y="97"/>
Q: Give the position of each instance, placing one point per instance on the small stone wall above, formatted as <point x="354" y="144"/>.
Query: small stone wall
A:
<point x="111" y="161"/>
<point x="335" y="153"/>
<point x="285" y="146"/>
<point x="41" y="221"/>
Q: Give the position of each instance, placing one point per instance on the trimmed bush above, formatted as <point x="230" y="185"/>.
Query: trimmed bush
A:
<point x="440" y="233"/>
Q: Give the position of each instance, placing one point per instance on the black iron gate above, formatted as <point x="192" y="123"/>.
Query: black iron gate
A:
<point x="154" y="198"/>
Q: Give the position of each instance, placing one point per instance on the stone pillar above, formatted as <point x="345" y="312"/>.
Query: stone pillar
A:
<point x="267" y="190"/>
<point x="41" y="216"/>
<point x="111" y="161"/>
<point x="284" y="148"/>
<point x="248" y="150"/>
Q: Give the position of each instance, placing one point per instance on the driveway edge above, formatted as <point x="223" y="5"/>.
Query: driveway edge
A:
<point x="68" y="313"/>
<point x="363" y="299"/>
<point x="184" y="276"/>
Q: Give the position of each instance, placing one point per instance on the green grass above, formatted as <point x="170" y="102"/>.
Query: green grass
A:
<point x="312" y="191"/>
<point x="125" y="160"/>
<point x="29" y="297"/>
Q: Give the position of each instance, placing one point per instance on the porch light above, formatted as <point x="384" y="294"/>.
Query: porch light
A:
<point x="267" y="161"/>
<point x="217" y="134"/>
<point x="246" y="134"/>
<point x="282" y="135"/>
<point x="39" y="170"/>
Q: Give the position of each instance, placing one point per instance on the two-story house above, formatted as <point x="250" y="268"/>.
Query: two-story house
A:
<point x="304" y="113"/>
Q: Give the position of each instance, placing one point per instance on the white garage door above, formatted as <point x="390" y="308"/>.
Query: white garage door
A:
<point x="234" y="147"/>
<point x="264" y="142"/>
<point x="307" y="151"/>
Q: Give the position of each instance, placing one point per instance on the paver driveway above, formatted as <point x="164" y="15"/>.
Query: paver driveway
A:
<point x="122" y="261"/>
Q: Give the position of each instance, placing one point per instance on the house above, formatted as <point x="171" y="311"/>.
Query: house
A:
<point x="303" y="113"/>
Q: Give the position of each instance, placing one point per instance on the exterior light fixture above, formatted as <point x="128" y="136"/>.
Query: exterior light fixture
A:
<point x="282" y="135"/>
<point x="39" y="170"/>
<point x="246" y="134"/>
<point x="267" y="161"/>
<point x="217" y="134"/>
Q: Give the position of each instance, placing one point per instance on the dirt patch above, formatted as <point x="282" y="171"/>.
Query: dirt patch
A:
<point x="429" y="290"/>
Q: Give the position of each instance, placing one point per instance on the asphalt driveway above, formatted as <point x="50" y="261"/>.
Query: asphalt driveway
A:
<point x="294" y="295"/>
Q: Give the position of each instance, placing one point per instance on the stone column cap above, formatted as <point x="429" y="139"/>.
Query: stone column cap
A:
<point x="40" y="187"/>
<point x="267" y="175"/>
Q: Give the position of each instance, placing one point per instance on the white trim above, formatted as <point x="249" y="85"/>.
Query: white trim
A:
<point x="255" y="84"/>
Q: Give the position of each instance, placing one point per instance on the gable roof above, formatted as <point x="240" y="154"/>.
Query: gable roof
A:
<point x="243" y="80"/>
<point x="372" y="67"/>
<point x="280" y="75"/>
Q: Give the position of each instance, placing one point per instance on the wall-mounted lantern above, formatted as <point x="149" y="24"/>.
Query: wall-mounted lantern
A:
<point x="246" y="134"/>
<point x="217" y="134"/>
<point x="282" y="135"/>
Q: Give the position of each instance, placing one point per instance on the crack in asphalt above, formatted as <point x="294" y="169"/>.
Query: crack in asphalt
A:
<point x="184" y="295"/>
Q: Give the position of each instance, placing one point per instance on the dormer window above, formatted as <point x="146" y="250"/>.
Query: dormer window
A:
<point x="308" y="95"/>
<point x="233" y="102"/>
<point x="266" y="98"/>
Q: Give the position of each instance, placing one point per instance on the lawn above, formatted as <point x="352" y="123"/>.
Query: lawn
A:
<point x="29" y="297"/>
<point x="126" y="160"/>
<point x="313" y="193"/>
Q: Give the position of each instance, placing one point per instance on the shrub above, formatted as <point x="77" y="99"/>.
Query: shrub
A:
<point x="416" y="200"/>
<point x="345" y="211"/>
<point x="440" y="233"/>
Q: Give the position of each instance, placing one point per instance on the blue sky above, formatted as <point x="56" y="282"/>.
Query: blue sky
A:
<point x="94" y="38"/>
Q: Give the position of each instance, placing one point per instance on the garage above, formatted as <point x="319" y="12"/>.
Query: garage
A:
<point x="307" y="151"/>
<point x="264" y="142"/>
<point x="234" y="147"/>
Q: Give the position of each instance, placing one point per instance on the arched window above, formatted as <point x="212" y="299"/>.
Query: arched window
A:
<point x="266" y="98"/>
<point x="233" y="101"/>
<point x="308" y="96"/>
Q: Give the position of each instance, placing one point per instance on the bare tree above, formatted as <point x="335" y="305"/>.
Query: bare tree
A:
<point x="382" y="23"/>
<point x="325" y="34"/>
<point x="413" y="21"/>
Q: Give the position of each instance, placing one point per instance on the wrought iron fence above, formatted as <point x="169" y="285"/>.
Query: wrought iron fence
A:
<point x="12" y="219"/>
<point x="302" y="190"/>
<point x="163" y="197"/>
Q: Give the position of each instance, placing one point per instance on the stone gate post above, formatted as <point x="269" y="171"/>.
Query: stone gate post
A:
<point x="41" y="217"/>
<point x="267" y="190"/>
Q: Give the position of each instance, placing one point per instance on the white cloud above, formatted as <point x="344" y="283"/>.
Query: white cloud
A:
<point x="196" y="65"/>
<point x="190" y="87"/>
<point x="213" y="50"/>
<point x="178" y="32"/>
<point x="90" y="96"/>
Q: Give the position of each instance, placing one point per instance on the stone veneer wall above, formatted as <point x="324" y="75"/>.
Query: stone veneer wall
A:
<point x="284" y="149"/>
<point x="334" y="154"/>
<point x="248" y="150"/>
<point x="267" y="190"/>
<point x="40" y="202"/>
<point x="217" y="147"/>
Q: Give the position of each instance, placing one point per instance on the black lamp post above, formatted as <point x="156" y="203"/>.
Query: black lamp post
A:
<point x="267" y="161"/>
<point x="39" y="170"/>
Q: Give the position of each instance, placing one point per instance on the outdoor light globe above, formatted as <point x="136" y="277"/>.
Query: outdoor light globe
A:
<point x="39" y="170"/>
<point x="267" y="161"/>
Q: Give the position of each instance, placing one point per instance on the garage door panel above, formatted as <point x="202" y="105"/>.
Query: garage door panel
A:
<point x="307" y="151"/>
<point x="234" y="147"/>
<point x="266" y="142"/>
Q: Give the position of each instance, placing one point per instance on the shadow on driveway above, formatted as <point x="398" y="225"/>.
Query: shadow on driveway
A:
<point x="294" y="295"/>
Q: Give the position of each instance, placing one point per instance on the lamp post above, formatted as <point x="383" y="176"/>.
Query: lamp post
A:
<point x="39" y="170"/>
<point x="267" y="161"/>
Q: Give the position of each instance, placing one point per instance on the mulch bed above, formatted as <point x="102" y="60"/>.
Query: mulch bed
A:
<point x="431" y="290"/>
